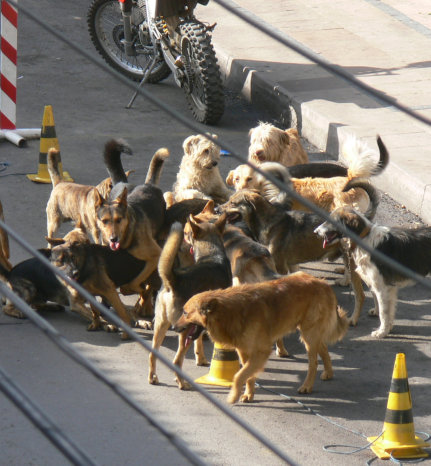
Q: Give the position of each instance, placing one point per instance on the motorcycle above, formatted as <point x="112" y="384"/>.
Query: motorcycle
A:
<point x="147" y="40"/>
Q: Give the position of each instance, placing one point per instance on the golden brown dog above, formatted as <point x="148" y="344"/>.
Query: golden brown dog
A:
<point x="271" y="144"/>
<point x="73" y="201"/>
<point x="327" y="193"/>
<point x="250" y="261"/>
<point x="251" y="317"/>
<point x="4" y="244"/>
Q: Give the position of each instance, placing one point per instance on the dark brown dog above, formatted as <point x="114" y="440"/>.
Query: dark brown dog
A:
<point x="211" y="270"/>
<point x="100" y="271"/>
<point x="251" y="317"/>
<point x="132" y="217"/>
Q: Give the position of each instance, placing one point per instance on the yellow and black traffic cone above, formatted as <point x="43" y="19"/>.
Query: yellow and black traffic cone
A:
<point x="398" y="438"/>
<point x="224" y="365"/>
<point x="48" y="139"/>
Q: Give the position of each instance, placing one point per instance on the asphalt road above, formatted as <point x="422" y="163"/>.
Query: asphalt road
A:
<point x="89" y="108"/>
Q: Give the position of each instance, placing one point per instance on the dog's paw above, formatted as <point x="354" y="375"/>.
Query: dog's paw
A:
<point x="11" y="311"/>
<point x="353" y="321"/>
<point x="183" y="384"/>
<point x="202" y="361"/>
<point x="304" y="389"/>
<point x="93" y="327"/>
<point x="326" y="375"/>
<point x="153" y="379"/>
<point x="124" y="336"/>
<point x="246" y="398"/>
<point x="282" y="353"/>
<point x="379" y="333"/>
<point x="232" y="398"/>
<point x="145" y="324"/>
<point x="110" y="328"/>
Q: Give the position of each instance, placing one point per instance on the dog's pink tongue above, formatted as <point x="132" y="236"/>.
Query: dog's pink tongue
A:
<point x="114" y="245"/>
<point x="189" y="335"/>
<point x="325" y="243"/>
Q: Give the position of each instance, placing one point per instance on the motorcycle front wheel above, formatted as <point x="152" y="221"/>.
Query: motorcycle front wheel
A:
<point x="105" y="26"/>
<point x="203" y="85"/>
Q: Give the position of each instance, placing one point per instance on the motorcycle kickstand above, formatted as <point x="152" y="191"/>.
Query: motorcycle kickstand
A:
<point x="147" y="72"/>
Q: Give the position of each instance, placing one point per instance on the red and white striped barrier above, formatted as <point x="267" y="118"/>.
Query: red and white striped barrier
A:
<point x="8" y="78"/>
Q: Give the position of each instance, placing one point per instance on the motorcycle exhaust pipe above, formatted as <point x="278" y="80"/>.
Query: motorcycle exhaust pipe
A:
<point x="126" y="11"/>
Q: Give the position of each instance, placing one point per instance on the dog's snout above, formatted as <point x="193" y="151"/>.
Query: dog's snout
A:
<point x="215" y="164"/>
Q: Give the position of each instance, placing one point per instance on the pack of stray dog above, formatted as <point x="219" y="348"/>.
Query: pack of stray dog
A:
<point x="222" y="257"/>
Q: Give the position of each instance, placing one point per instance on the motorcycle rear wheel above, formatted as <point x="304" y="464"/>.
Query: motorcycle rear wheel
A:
<point x="105" y="26"/>
<point x="203" y="85"/>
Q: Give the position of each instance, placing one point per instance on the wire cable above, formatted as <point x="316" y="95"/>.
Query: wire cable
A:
<point x="71" y="352"/>
<point x="48" y="428"/>
<point x="60" y="341"/>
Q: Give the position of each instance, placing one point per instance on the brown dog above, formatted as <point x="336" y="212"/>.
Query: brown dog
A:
<point x="251" y="317"/>
<point x="73" y="201"/>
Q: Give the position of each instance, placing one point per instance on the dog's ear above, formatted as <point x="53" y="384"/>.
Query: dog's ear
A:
<point x="229" y="178"/>
<point x="188" y="143"/>
<point x="99" y="199"/>
<point x="221" y="223"/>
<point x="209" y="207"/>
<point x="208" y="307"/>
<point x="196" y="229"/>
<point x="284" y="138"/>
<point x="122" y="198"/>
<point x="55" y="241"/>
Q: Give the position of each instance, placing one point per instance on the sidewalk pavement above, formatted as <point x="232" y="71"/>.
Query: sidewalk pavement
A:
<point x="385" y="44"/>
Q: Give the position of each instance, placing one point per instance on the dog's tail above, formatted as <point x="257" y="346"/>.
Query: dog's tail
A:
<point x="269" y="190"/>
<point x="112" y="158"/>
<point x="156" y="164"/>
<point x="168" y="255"/>
<point x="370" y="190"/>
<point x="340" y="327"/>
<point x="53" y="160"/>
<point x="360" y="159"/>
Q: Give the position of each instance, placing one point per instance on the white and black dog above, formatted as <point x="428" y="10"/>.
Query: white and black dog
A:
<point x="408" y="247"/>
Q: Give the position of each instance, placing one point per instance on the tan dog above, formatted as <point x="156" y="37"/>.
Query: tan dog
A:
<point x="251" y="317"/>
<point x="199" y="175"/>
<point x="271" y="144"/>
<point x="327" y="193"/>
<point x="73" y="201"/>
<point x="4" y="244"/>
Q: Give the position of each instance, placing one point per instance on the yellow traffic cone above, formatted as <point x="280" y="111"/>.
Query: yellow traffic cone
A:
<point x="48" y="139"/>
<point x="398" y="438"/>
<point x="224" y="365"/>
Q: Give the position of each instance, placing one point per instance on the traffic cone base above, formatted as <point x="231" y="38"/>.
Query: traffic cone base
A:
<point x="398" y="439"/>
<point x="48" y="139"/>
<point x="224" y="366"/>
